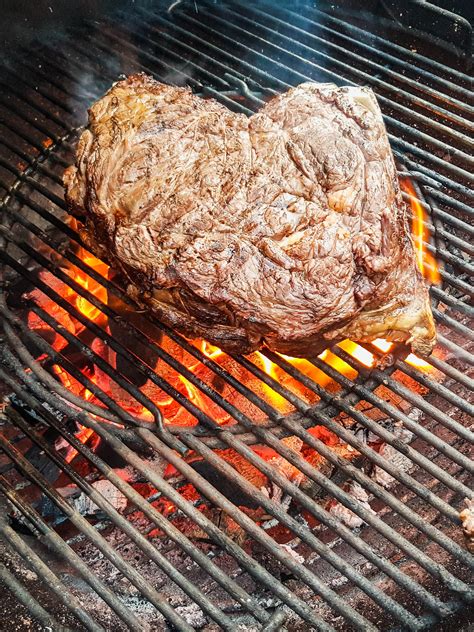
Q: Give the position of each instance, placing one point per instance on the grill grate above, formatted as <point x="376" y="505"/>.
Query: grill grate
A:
<point x="407" y="565"/>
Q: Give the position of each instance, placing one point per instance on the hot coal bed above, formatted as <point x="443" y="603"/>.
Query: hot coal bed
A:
<point x="153" y="482"/>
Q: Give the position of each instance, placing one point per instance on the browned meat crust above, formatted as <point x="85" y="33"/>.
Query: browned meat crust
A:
<point x="286" y="228"/>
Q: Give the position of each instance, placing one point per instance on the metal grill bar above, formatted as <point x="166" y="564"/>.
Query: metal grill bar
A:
<point x="234" y="589"/>
<point x="375" y="51"/>
<point x="447" y="255"/>
<point x="157" y="518"/>
<point x="207" y="606"/>
<point x="75" y="517"/>
<point x="407" y="54"/>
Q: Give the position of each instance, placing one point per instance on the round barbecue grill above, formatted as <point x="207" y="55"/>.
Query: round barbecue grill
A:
<point x="153" y="482"/>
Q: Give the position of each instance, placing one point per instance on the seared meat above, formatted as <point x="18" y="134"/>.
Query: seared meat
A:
<point x="286" y="228"/>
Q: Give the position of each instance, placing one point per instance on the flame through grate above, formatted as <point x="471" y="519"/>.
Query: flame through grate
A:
<point x="262" y="491"/>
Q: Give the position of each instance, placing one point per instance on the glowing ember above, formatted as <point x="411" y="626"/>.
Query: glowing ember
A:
<point x="83" y="435"/>
<point x="426" y="262"/>
<point x="417" y="362"/>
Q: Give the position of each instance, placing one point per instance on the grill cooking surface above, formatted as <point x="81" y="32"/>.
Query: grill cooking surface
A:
<point x="323" y="494"/>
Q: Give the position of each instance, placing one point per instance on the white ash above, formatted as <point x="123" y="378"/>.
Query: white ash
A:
<point x="467" y="518"/>
<point x="416" y="414"/>
<point x="296" y="556"/>
<point x="345" y="515"/>
<point x="340" y="581"/>
<point x="394" y="457"/>
<point x="193" y="615"/>
<point x="86" y="507"/>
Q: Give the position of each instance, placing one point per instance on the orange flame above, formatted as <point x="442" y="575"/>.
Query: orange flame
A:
<point x="411" y="358"/>
<point x="210" y="350"/>
<point x="83" y="279"/>
<point x="425" y="260"/>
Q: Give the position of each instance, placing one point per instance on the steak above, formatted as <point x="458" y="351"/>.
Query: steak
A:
<point x="285" y="229"/>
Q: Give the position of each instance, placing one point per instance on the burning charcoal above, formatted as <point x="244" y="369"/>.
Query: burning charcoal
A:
<point x="58" y="313"/>
<point x="85" y="506"/>
<point x="345" y="515"/>
<point x="128" y="368"/>
<point x="220" y="482"/>
<point x="104" y="451"/>
<point x="394" y="457"/>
